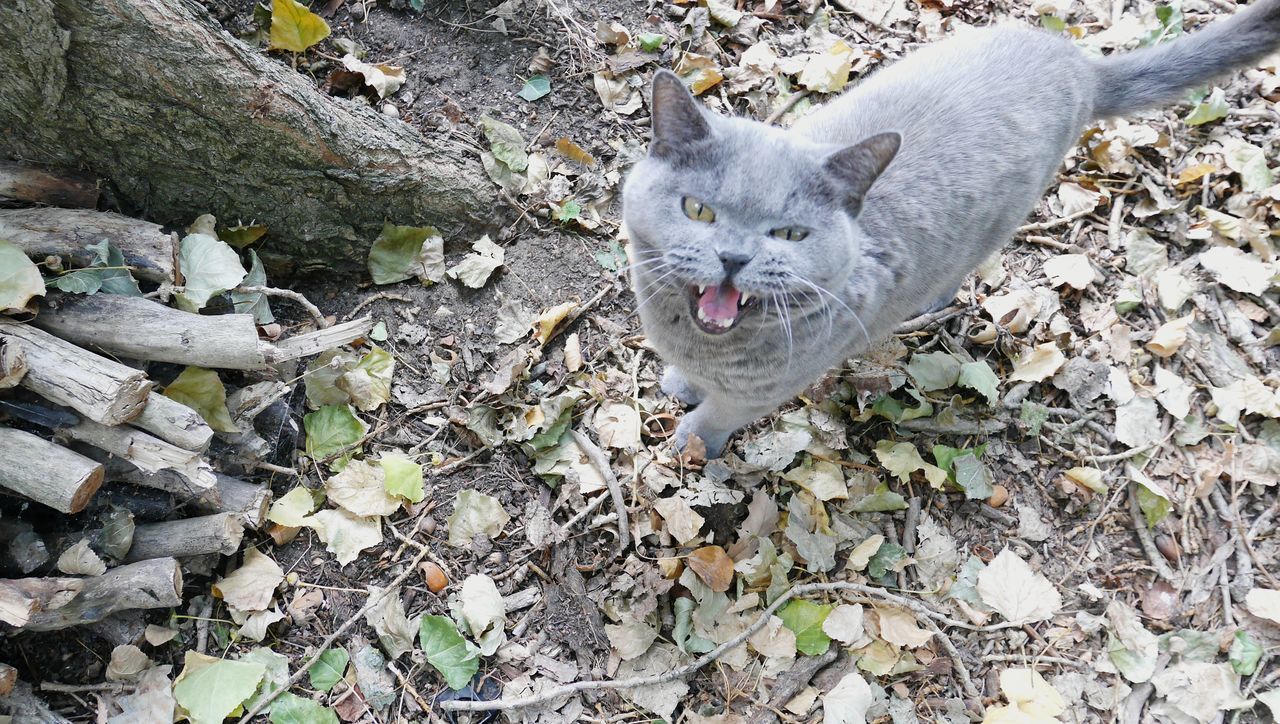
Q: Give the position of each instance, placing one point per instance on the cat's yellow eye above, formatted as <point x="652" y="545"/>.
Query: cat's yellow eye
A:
<point x="697" y="210"/>
<point x="789" y="233"/>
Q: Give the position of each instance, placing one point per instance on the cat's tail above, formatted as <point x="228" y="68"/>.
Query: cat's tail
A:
<point x="1154" y="76"/>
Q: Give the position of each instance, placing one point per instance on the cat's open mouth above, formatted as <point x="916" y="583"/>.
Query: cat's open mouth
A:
<point x="717" y="308"/>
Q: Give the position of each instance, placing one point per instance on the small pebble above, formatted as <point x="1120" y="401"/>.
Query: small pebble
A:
<point x="389" y="109"/>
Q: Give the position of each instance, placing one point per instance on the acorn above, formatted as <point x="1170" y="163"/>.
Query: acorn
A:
<point x="1168" y="547"/>
<point x="434" y="576"/>
<point x="999" y="496"/>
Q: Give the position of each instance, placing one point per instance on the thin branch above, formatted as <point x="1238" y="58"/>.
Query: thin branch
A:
<point x="787" y="105"/>
<point x="601" y="461"/>
<point x="560" y="691"/>
<point x="302" y="301"/>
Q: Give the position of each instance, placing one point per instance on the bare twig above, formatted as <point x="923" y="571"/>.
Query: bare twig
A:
<point x="374" y="600"/>
<point x="601" y="461"/>
<point x="375" y="297"/>
<point x="302" y="301"/>
<point x="924" y="320"/>
<point x="787" y="105"/>
<point x="1033" y="660"/>
<point x="1148" y="543"/>
<point x="568" y="689"/>
<point x="1051" y="223"/>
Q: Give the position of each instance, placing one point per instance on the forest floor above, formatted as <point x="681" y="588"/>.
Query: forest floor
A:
<point x="1070" y="471"/>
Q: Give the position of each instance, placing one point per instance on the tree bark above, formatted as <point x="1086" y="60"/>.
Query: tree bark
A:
<point x="39" y="186"/>
<point x="45" y="472"/>
<point x="184" y="119"/>
<point x="147" y="249"/>
<point x="218" y="533"/>
<point x="174" y="423"/>
<point x="156" y="583"/>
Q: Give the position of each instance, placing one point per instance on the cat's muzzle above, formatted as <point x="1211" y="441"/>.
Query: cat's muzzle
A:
<point x="718" y="308"/>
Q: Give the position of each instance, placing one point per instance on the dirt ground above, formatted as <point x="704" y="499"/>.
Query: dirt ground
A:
<point x="1117" y="504"/>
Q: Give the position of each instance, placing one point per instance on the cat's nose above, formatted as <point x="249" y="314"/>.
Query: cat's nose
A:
<point x="733" y="260"/>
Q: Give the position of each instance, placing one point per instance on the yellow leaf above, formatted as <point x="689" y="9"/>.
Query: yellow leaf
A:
<point x="294" y="27"/>
<point x="1195" y="173"/>
<point x="828" y="72"/>
<point x="1170" y="336"/>
<point x="574" y="152"/>
<point x="699" y="72"/>
<point x="550" y="319"/>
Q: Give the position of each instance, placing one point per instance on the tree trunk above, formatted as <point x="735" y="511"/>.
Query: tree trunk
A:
<point x="184" y="119"/>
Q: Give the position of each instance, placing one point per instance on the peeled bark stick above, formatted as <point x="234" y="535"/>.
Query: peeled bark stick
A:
<point x="96" y="387"/>
<point x="148" y="251"/>
<point x="217" y="533"/>
<point x="23" y="598"/>
<point x="63" y="188"/>
<point x="45" y="472"/>
<point x="143" y="329"/>
<point x="305" y="345"/>
<point x="8" y="677"/>
<point x="149" y="454"/>
<point x="153" y="583"/>
<point x="174" y="422"/>
<point x="250" y="501"/>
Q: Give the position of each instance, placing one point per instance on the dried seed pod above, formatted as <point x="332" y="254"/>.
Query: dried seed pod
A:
<point x="434" y="576"/>
<point x="999" y="495"/>
<point x="1168" y="547"/>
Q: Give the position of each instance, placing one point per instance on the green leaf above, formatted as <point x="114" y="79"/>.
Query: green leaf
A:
<point x="254" y="303"/>
<point x="880" y="501"/>
<point x="210" y="267"/>
<point x="1033" y="415"/>
<point x="293" y="709"/>
<point x="506" y="143"/>
<point x="240" y="235"/>
<point x="80" y="281"/>
<point x="1170" y="19"/>
<point x="651" y="42"/>
<point x="1053" y="23"/>
<point x="403" y="477"/>
<point x="613" y="258"/>
<point x="453" y="656"/>
<point x="1155" y="508"/>
<point x="294" y="27"/>
<point x="934" y="371"/>
<point x="1244" y="653"/>
<point x="535" y="88"/>
<point x="202" y="391"/>
<point x="275" y="677"/>
<point x="972" y="476"/>
<point x="1210" y="109"/>
<point x="978" y="376"/>
<point x="885" y="559"/>
<point x="321" y="378"/>
<point x="332" y="428"/>
<point x="682" y="633"/>
<point x="965" y="587"/>
<point x="211" y="692"/>
<point x="112" y="269"/>
<point x="379" y="332"/>
<point x="20" y="278"/>
<point x="328" y="669"/>
<point x="394" y="254"/>
<point x="369" y="382"/>
<point x="805" y="619"/>
<point x="567" y="211"/>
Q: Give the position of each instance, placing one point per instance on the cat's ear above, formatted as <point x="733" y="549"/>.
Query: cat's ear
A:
<point x="857" y="167"/>
<point x="677" y="121"/>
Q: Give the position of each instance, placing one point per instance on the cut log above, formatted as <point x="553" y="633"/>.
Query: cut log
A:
<point x="218" y="533"/>
<point x="13" y="363"/>
<point x="148" y="251"/>
<point x="153" y="583"/>
<point x="143" y="329"/>
<point x="98" y="388"/>
<point x="121" y="628"/>
<point x="8" y="677"/>
<point x="239" y="136"/>
<point x="174" y="422"/>
<point x="45" y="472"/>
<point x="22" y="598"/>
<point x="148" y="453"/>
<point x="248" y="500"/>
<point x="38" y="186"/>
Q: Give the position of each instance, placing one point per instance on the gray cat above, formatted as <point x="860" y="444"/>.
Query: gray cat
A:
<point x="765" y="257"/>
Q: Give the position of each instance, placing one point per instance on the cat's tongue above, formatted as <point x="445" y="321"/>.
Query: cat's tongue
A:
<point x="719" y="305"/>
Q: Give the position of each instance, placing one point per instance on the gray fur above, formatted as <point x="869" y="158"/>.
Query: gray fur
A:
<point x="980" y="124"/>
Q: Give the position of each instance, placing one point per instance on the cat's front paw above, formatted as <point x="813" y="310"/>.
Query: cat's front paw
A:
<point x="675" y="384"/>
<point x="713" y="440"/>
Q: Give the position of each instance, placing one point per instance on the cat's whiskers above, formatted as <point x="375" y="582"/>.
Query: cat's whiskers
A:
<point x="784" y="317"/>
<point x="837" y="300"/>
<point x="661" y="287"/>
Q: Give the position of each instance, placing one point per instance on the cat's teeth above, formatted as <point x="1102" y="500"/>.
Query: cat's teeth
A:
<point x="702" y="289"/>
<point x="746" y="297"/>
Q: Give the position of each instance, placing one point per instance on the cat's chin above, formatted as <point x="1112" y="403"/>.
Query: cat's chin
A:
<point x="719" y="308"/>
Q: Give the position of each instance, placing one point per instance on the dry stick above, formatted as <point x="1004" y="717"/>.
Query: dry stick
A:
<point x="324" y="645"/>
<point x="1042" y="225"/>
<point x="302" y="301"/>
<point x="555" y="693"/>
<point x="1232" y="514"/>
<point x="787" y="105"/>
<point x="375" y="297"/>
<point x="601" y="461"/>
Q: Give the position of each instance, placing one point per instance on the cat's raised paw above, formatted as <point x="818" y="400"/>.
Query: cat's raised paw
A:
<point x="713" y="440"/>
<point x="675" y="384"/>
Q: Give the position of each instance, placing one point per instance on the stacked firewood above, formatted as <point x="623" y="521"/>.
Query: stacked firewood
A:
<point x="136" y="478"/>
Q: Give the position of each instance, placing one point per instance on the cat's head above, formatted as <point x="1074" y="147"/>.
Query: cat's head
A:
<point x="741" y="217"/>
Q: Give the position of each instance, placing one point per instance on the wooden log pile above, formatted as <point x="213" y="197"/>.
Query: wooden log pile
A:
<point x="106" y="485"/>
